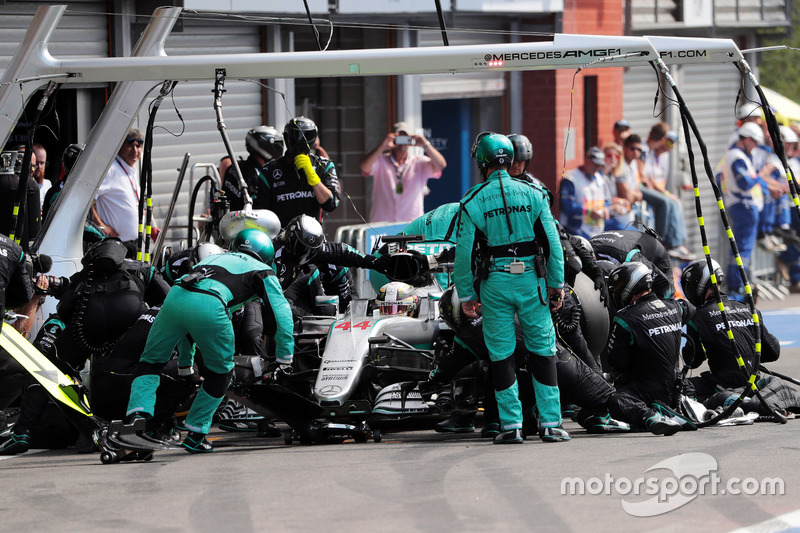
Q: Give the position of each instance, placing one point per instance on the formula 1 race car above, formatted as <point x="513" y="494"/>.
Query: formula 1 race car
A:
<point x="358" y="373"/>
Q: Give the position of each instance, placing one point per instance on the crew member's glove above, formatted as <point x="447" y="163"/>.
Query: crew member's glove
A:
<point x="282" y="371"/>
<point x="380" y="263"/>
<point x="303" y="163"/>
<point x="600" y="285"/>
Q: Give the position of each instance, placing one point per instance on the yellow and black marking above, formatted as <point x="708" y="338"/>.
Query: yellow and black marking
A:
<point x="57" y="384"/>
<point x="690" y="127"/>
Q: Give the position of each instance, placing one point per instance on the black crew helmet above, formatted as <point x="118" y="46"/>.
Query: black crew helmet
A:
<point x="696" y="280"/>
<point x="300" y="136"/>
<point x="265" y="142"/>
<point x="302" y="236"/>
<point x="523" y="149"/>
<point x="107" y="255"/>
<point x="628" y="280"/>
<point x="71" y="155"/>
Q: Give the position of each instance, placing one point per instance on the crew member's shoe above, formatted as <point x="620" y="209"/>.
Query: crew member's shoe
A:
<point x="15" y="444"/>
<point x="168" y="437"/>
<point x="459" y="422"/>
<point x="197" y="443"/>
<point x="556" y="434"/>
<point x="660" y="425"/>
<point x="512" y="436"/>
<point x="597" y="424"/>
<point x="490" y="430"/>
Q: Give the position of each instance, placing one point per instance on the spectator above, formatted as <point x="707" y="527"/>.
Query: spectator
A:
<point x="299" y="182"/>
<point x="791" y="257"/>
<point x="655" y="180"/>
<point x="585" y="198"/>
<point x="622" y="128"/>
<point x="39" y="171"/>
<point x="744" y="198"/>
<point x="624" y="187"/>
<point x="116" y="207"/>
<point x="399" y="187"/>
<point x="775" y="218"/>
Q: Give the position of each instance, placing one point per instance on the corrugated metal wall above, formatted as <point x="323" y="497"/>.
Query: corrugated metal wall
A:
<point x="242" y="109"/>
<point x="82" y="32"/>
<point x="710" y="93"/>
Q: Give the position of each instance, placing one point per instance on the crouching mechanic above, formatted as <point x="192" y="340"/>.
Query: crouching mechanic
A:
<point x="644" y="348"/>
<point x="510" y="222"/>
<point x="708" y="333"/>
<point x="200" y="304"/>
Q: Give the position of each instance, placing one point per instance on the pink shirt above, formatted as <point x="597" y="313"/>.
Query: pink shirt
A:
<point x="387" y="204"/>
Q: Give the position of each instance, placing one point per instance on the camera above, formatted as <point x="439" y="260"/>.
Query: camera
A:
<point x="404" y="140"/>
<point x="57" y="285"/>
<point x="8" y="162"/>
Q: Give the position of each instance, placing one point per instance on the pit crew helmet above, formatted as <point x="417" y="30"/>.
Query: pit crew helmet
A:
<point x="262" y="219"/>
<point x="203" y="250"/>
<point x="696" y="280"/>
<point x="628" y="280"/>
<point x="106" y="256"/>
<point x="478" y="138"/>
<point x="523" y="149"/>
<point x="70" y="156"/>
<point x="265" y="142"/>
<point x="300" y="135"/>
<point x="302" y="236"/>
<point x="256" y="244"/>
<point x="494" y="149"/>
<point x="397" y="298"/>
<point x="450" y="308"/>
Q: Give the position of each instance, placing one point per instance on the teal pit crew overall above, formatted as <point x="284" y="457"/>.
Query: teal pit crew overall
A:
<point x="200" y="305"/>
<point x="507" y="291"/>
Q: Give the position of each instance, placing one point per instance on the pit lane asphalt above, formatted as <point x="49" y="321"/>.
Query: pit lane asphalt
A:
<point x="419" y="481"/>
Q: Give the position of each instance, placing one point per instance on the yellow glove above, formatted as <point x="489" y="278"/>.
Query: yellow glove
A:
<point x="303" y="163"/>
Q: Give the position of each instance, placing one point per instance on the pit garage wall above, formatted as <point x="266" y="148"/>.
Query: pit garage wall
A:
<point x="710" y="94"/>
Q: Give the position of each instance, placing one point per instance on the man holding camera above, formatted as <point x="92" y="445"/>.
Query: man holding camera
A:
<point x="401" y="175"/>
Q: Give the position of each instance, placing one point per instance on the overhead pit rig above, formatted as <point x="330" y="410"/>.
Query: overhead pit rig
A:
<point x="33" y="67"/>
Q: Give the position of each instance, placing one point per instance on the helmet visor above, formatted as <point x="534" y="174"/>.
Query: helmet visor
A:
<point x="396" y="308"/>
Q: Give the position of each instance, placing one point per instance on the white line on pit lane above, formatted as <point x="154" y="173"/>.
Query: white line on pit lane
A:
<point x="29" y="452"/>
<point x="773" y="525"/>
<point x="782" y="312"/>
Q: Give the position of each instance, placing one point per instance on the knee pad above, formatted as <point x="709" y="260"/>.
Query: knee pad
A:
<point x="543" y="369"/>
<point x="503" y="374"/>
<point x="216" y="384"/>
<point x="144" y="369"/>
